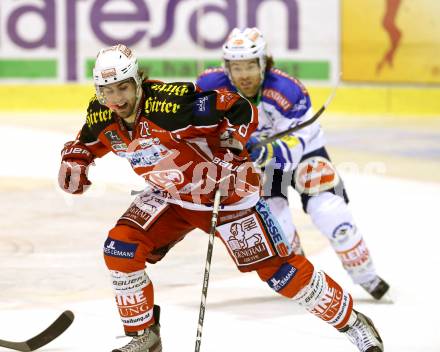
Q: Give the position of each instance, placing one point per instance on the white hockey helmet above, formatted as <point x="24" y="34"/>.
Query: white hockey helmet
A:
<point x="245" y="45"/>
<point x="115" y="64"/>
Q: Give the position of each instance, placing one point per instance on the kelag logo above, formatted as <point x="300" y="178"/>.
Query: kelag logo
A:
<point x="63" y="37"/>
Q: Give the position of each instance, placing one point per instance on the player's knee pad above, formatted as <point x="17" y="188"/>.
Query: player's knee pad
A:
<point x="315" y="175"/>
<point x="134" y="298"/>
<point x="323" y="297"/>
<point x="332" y="217"/>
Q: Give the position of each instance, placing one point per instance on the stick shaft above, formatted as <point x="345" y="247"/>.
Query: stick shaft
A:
<point x="297" y="127"/>
<point x="207" y="270"/>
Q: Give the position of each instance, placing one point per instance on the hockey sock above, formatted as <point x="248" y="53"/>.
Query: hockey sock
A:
<point x="324" y="298"/>
<point x="135" y="299"/>
<point x="333" y="218"/>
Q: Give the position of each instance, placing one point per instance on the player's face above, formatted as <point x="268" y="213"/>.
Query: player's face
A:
<point x="245" y="76"/>
<point x="120" y="97"/>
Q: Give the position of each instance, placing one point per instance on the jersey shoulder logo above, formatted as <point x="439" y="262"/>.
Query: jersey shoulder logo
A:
<point x="97" y="113"/>
<point x="278" y="98"/>
<point x="178" y="89"/>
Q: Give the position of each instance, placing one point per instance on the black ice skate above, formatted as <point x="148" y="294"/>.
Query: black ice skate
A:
<point x="148" y="341"/>
<point x="376" y="287"/>
<point x="363" y="334"/>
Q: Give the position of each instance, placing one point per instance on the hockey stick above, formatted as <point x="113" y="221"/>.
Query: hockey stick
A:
<point x="207" y="269"/>
<point x="51" y="333"/>
<point x="297" y="127"/>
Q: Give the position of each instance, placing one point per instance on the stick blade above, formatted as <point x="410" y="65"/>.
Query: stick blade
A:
<point x="52" y="332"/>
<point x="49" y="334"/>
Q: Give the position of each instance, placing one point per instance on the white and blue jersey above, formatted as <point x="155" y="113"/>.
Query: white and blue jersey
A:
<point x="284" y="102"/>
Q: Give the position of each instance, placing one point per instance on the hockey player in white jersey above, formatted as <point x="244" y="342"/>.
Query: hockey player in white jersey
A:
<point x="300" y="159"/>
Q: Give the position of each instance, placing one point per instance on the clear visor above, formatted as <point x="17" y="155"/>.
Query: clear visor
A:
<point x="100" y="95"/>
<point x="117" y="93"/>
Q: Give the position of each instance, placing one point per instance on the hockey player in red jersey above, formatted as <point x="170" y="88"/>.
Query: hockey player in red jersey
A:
<point x="186" y="144"/>
<point x="300" y="159"/>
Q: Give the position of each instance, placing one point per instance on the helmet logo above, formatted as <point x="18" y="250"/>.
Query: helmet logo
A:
<point x="254" y="35"/>
<point x="238" y="42"/>
<point x="120" y="47"/>
<point x="108" y="73"/>
<point x="125" y="50"/>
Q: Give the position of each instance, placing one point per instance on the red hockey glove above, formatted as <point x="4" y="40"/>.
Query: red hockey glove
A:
<point x="75" y="161"/>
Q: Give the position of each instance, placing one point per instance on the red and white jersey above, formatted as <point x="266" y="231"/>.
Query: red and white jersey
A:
<point x="172" y="144"/>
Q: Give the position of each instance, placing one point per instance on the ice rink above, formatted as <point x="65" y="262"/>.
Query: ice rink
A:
<point x="51" y="247"/>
